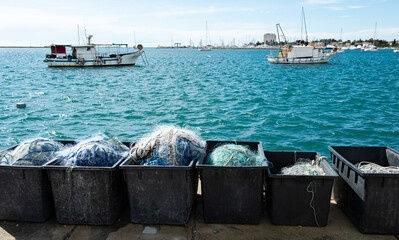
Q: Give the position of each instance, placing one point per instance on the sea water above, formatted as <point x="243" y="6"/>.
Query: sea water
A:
<point x="222" y="94"/>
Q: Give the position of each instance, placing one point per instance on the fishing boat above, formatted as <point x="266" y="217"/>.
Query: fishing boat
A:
<point x="92" y="55"/>
<point x="302" y="53"/>
<point x="396" y="50"/>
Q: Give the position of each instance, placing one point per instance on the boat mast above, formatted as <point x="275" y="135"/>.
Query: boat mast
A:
<point x="78" y="35"/>
<point x="279" y="29"/>
<point x="206" y="33"/>
<point x="375" y="33"/>
<point x="340" y="36"/>
<point x="304" y="24"/>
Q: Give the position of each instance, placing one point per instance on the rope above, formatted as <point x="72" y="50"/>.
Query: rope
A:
<point x="312" y="189"/>
<point x="369" y="167"/>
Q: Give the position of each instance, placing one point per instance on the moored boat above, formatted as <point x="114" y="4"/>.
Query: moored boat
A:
<point x="92" y="55"/>
<point x="370" y="48"/>
<point x="302" y="53"/>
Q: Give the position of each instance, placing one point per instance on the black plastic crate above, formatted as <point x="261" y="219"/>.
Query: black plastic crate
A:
<point x="232" y="194"/>
<point x="25" y="193"/>
<point x="370" y="200"/>
<point x="298" y="199"/>
<point x="86" y="195"/>
<point x="160" y="194"/>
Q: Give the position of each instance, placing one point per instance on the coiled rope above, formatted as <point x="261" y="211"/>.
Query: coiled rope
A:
<point x="370" y="167"/>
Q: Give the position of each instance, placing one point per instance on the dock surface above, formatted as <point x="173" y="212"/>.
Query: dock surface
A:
<point x="339" y="228"/>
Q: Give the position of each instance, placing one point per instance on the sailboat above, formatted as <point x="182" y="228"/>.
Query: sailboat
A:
<point x="372" y="47"/>
<point x="206" y="47"/>
<point x="303" y="53"/>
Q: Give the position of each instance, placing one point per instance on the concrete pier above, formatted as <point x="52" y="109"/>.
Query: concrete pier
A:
<point x="339" y="228"/>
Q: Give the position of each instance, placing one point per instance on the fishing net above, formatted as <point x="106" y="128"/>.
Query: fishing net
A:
<point x="233" y="155"/>
<point x="33" y="152"/>
<point x="369" y="167"/>
<point x="99" y="151"/>
<point x="304" y="166"/>
<point x="168" y="145"/>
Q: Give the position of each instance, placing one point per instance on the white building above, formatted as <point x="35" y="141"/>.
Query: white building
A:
<point x="269" y="38"/>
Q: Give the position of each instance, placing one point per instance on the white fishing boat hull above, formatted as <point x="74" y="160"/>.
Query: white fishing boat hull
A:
<point x="118" y="60"/>
<point x="284" y="60"/>
<point x="300" y="55"/>
<point x="396" y="51"/>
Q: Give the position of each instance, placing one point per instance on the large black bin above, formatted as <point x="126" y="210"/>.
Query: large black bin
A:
<point x="25" y="194"/>
<point x="298" y="199"/>
<point x="370" y="200"/>
<point x="232" y="194"/>
<point x="160" y="194"/>
<point x="86" y="195"/>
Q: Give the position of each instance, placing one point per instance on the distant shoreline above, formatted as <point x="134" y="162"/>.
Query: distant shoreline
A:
<point x="24" y="46"/>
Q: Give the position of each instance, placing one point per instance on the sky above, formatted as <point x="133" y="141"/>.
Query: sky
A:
<point x="161" y="22"/>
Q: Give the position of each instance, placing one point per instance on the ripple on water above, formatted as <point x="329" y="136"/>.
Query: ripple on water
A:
<point x="234" y="94"/>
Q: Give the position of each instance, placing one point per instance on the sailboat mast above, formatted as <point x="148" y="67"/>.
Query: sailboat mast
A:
<point x="206" y="33"/>
<point x="304" y="24"/>
<point x="340" y="36"/>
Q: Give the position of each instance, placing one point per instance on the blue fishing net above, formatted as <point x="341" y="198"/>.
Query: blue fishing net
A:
<point x="99" y="151"/>
<point x="34" y="152"/>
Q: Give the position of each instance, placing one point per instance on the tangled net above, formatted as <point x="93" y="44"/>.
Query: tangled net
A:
<point x="34" y="152"/>
<point x="233" y="155"/>
<point x="305" y="166"/>
<point x="99" y="151"/>
<point x="168" y="145"/>
<point x="369" y="167"/>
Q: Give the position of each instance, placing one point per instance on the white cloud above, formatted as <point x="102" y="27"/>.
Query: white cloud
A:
<point x="356" y="7"/>
<point x="336" y="8"/>
<point x="318" y="2"/>
<point x="181" y="12"/>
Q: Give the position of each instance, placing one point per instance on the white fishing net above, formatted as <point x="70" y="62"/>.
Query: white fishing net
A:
<point x="168" y="145"/>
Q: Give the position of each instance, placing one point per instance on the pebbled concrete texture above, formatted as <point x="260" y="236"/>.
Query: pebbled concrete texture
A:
<point x="339" y="228"/>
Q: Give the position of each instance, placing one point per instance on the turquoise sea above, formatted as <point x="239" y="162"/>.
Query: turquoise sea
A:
<point x="221" y="94"/>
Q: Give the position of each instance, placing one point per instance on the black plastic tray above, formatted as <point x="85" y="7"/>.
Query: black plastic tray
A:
<point x="370" y="200"/>
<point x="232" y="194"/>
<point x="290" y="196"/>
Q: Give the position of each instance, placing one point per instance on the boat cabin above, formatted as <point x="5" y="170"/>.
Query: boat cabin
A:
<point x="300" y="52"/>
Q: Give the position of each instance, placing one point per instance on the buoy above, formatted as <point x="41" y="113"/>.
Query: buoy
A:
<point x="21" y="105"/>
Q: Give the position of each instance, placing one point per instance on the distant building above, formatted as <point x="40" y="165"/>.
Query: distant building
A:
<point x="269" y="38"/>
